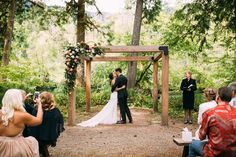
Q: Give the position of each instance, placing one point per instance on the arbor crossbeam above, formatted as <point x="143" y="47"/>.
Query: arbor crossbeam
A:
<point x="125" y="58"/>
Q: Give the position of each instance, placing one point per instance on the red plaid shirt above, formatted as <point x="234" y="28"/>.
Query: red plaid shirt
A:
<point x="219" y="124"/>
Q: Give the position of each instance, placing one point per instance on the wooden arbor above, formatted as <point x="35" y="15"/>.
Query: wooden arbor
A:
<point x="159" y="52"/>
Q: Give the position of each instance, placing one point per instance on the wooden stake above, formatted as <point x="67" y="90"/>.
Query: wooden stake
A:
<point x="165" y="88"/>
<point x="72" y="109"/>
<point x="155" y="86"/>
<point x="88" y="85"/>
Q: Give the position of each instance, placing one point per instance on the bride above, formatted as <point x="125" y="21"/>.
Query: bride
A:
<point x="108" y="115"/>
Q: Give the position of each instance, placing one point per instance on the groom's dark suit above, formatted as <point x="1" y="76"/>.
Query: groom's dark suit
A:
<point x="122" y="97"/>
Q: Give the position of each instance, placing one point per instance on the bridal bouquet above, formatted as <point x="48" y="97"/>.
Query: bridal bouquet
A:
<point x="73" y="56"/>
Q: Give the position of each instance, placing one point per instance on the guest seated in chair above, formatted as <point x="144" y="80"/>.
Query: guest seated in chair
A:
<point x="218" y="124"/>
<point x="233" y="100"/>
<point x="13" y="119"/>
<point x="51" y="127"/>
<point x="210" y="96"/>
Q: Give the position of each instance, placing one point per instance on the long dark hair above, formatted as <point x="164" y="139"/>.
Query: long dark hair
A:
<point x="111" y="77"/>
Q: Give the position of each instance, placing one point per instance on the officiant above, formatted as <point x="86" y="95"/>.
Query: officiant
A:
<point x="188" y="86"/>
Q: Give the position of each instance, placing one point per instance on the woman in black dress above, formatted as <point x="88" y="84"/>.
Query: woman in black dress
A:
<point x="188" y="86"/>
<point x="51" y="127"/>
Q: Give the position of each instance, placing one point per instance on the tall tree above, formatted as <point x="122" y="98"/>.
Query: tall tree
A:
<point x="132" y="66"/>
<point x="83" y="21"/>
<point x="80" y="37"/>
<point x="147" y="10"/>
<point x="9" y="9"/>
<point x="77" y="9"/>
<point x="9" y="33"/>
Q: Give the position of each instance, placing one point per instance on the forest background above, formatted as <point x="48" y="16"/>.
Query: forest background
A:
<point x="201" y="38"/>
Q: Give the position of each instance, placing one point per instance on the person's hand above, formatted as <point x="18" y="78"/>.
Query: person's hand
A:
<point x="117" y="89"/>
<point x="38" y="101"/>
<point x="28" y="95"/>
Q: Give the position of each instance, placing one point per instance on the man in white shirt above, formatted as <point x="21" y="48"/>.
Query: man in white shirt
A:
<point x="233" y="100"/>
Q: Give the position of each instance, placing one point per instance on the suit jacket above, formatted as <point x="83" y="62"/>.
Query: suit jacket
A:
<point x="120" y="81"/>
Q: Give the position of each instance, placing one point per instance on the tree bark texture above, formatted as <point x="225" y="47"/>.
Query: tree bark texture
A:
<point x="132" y="66"/>
<point x="9" y="33"/>
<point x="80" y="37"/>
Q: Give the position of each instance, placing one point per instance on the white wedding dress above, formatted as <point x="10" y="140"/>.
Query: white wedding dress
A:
<point x="108" y="115"/>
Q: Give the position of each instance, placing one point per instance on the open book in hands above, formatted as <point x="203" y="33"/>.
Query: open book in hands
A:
<point x="190" y="86"/>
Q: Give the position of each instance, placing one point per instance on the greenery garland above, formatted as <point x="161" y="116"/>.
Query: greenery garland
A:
<point x="74" y="56"/>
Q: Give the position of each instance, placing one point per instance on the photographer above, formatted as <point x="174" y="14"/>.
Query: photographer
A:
<point x="52" y="125"/>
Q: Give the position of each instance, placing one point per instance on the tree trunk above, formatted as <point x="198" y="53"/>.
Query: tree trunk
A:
<point x="132" y="66"/>
<point x="80" y="37"/>
<point x="9" y="33"/>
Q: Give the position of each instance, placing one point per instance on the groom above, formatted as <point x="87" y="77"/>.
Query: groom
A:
<point x="122" y="96"/>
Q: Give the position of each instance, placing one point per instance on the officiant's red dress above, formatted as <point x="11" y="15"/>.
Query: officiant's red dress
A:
<point x="188" y="96"/>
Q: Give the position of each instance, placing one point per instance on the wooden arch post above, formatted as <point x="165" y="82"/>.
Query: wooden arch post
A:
<point x="155" y="86"/>
<point x="88" y="85"/>
<point x="71" y="108"/>
<point x="165" y="84"/>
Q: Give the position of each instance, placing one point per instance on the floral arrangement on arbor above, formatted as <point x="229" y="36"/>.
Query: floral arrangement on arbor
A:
<point x="74" y="56"/>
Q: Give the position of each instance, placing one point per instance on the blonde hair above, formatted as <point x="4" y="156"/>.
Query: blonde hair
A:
<point x="12" y="101"/>
<point x="188" y="72"/>
<point x="47" y="100"/>
<point x="210" y="94"/>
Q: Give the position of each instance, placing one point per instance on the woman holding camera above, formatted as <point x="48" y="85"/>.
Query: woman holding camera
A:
<point x="51" y="127"/>
<point x="13" y="119"/>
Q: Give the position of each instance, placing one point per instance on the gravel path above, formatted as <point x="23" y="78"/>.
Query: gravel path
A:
<point x="145" y="137"/>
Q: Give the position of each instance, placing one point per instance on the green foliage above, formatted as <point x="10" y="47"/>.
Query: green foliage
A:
<point x="21" y="77"/>
<point x="139" y="97"/>
<point x="151" y="9"/>
<point x="201" y="22"/>
<point x="176" y="103"/>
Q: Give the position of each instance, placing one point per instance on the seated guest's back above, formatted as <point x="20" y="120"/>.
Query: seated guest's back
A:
<point x="13" y="119"/>
<point x="210" y="96"/>
<point x="219" y="124"/>
<point x="233" y="88"/>
<point x="52" y="125"/>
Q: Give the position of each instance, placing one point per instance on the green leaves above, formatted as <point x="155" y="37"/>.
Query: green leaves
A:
<point x="203" y="20"/>
<point x="151" y="9"/>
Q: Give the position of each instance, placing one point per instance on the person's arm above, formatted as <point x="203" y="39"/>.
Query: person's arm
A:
<point x="182" y="87"/>
<point x="118" y="89"/>
<point x="32" y="120"/>
<point x="199" y="118"/>
<point x="204" y="126"/>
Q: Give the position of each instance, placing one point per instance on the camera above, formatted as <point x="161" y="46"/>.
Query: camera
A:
<point x="36" y="95"/>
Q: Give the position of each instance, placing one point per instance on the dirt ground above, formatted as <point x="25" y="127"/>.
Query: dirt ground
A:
<point x="145" y="137"/>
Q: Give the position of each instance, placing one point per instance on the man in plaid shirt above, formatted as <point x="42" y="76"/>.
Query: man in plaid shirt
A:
<point x="219" y="125"/>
